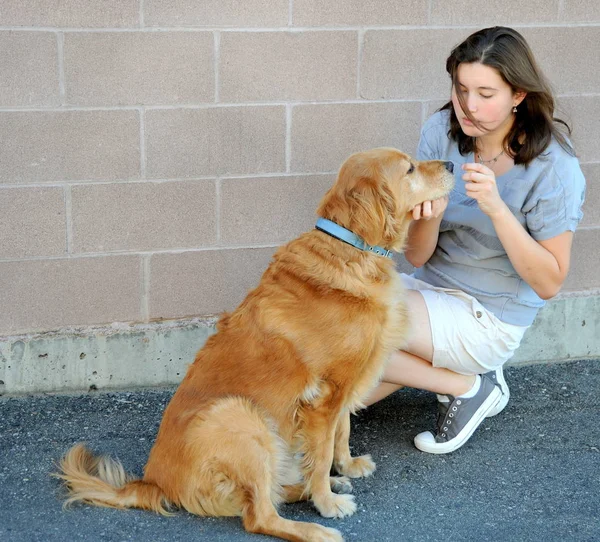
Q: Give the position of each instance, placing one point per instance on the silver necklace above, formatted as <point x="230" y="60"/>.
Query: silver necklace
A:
<point x="491" y="160"/>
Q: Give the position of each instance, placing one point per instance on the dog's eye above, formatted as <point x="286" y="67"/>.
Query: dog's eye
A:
<point x="411" y="169"/>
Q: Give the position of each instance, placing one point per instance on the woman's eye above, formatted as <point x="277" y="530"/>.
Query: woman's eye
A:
<point x="486" y="97"/>
<point x="410" y="169"/>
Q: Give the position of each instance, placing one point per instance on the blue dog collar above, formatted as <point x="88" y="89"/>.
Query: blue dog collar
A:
<point x="349" y="237"/>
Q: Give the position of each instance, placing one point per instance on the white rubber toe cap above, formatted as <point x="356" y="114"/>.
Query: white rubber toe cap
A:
<point x="425" y="442"/>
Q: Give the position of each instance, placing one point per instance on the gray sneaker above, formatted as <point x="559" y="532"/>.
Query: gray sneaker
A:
<point x="458" y="419"/>
<point x="497" y="377"/>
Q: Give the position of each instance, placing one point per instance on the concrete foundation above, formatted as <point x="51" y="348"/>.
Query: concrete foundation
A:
<point x="125" y="356"/>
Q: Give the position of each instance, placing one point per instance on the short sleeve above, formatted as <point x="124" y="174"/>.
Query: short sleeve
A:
<point x="424" y="150"/>
<point x="430" y="147"/>
<point x="556" y="205"/>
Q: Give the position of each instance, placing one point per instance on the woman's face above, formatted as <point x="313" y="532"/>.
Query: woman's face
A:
<point x="488" y="97"/>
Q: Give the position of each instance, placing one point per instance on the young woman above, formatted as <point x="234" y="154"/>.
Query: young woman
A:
<point x="489" y="255"/>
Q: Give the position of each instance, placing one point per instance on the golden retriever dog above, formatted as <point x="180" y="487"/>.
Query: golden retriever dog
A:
<point x="263" y="413"/>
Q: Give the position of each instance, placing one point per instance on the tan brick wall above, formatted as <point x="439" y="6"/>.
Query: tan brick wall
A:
<point x="154" y="154"/>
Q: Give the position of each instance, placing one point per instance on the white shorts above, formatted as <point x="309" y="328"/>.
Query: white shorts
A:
<point x="467" y="338"/>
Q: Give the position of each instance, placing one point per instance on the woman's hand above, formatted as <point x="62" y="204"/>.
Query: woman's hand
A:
<point x="480" y="184"/>
<point x="430" y="209"/>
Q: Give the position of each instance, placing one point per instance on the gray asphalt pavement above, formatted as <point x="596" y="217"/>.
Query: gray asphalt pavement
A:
<point x="530" y="474"/>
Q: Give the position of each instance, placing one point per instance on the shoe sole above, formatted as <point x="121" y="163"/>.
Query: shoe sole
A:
<point x="494" y="398"/>
<point x="504" y="399"/>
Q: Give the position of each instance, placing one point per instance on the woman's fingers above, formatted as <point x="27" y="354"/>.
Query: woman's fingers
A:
<point x="477" y="167"/>
<point x="475" y="177"/>
<point x="416" y="212"/>
<point x="426" y="209"/>
<point x="430" y="209"/>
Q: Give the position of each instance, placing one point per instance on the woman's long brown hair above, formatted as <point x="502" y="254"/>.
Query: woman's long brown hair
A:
<point x="505" y="50"/>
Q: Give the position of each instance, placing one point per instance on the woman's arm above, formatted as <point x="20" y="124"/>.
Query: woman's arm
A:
<point x="424" y="231"/>
<point x="542" y="264"/>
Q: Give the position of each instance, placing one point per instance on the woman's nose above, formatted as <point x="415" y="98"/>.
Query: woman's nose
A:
<point x="472" y="103"/>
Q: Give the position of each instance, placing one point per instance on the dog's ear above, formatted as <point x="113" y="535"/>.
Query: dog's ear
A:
<point x="373" y="211"/>
<point x="334" y="206"/>
<point x="361" y="202"/>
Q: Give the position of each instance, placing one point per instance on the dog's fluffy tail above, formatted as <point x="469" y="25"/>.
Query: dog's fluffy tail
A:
<point x="102" y="481"/>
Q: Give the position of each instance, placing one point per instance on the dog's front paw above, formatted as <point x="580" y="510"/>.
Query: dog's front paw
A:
<point x="357" y="467"/>
<point x="325" y="534"/>
<point x="335" y="506"/>
<point x="340" y="484"/>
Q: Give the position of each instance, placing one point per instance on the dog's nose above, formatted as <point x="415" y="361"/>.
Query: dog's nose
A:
<point x="449" y="166"/>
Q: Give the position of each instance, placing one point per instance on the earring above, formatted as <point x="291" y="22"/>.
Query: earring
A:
<point x="515" y="109"/>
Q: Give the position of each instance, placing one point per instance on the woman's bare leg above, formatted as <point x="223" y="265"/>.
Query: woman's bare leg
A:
<point x="412" y="366"/>
<point x="381" y="392"/>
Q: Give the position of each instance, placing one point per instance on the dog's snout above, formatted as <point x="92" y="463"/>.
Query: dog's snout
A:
<point x="449" y="166"/>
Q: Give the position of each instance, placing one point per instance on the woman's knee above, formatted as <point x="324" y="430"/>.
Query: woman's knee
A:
<point x="420" y="338"/>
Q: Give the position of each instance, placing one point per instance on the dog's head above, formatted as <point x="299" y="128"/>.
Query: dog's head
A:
<point x="376" y="190"/>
